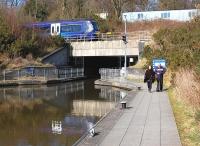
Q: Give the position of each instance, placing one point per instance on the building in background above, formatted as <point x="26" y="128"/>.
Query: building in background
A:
<point x="174" y="15"/>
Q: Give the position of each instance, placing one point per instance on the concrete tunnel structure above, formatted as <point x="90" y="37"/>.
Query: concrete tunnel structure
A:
<point x="92" y="55"/>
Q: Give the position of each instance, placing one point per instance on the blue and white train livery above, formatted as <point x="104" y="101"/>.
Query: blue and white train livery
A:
<point x="69" y="29"/>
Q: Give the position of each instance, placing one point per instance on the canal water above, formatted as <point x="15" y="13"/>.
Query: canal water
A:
<point x="53" y="115"/>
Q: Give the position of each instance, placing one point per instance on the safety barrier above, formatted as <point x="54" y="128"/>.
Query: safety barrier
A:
<point x="109" y="74"/>
<point x="41" y="73"/>
<point x="139" y="35"/>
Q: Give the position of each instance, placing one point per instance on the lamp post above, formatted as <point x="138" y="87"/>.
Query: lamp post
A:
<point x="125" y="42"/>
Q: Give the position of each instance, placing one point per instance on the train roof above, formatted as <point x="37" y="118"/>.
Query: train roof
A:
<point x="48" y="23"/>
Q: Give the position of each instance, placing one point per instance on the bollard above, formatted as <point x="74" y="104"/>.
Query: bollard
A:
<point x="4" y="76"/>
<point x="123" y="103"/>
<point x="18" y="74"/>
<point x="44" y="74"/>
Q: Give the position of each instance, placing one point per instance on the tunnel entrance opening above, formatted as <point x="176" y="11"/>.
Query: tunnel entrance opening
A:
<point x="93" y="64"/>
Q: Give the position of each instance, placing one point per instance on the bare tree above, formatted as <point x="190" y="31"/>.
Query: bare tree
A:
<point x="122" y="5"/>
<point x="143" y="4"/>
<point x="118" y="5"/>
<point x="175" y="4"/>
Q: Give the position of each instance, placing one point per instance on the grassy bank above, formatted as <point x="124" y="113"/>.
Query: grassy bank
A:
<point x="187" y="119"/>
<point x="182" y="98"/>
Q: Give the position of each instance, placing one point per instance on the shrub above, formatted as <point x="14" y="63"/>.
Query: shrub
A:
<point x="180" y="46"/>
<point x="187" y="86"/>
<point x="104" y="25"/>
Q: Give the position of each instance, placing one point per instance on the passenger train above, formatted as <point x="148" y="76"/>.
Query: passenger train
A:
<point x="69" y="29"/>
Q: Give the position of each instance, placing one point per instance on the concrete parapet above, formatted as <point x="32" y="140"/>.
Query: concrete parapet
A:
<point x="105" y="48"/>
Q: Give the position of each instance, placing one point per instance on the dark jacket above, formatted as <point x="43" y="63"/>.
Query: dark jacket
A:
<point x="149" y="75"/>
<point x="159" y="72"/>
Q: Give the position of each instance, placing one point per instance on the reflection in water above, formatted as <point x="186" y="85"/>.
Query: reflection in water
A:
<point x="52" y="115"/>
<point x="114" y="94"/>
<point x="92" y="108"/>
<point x="47" y="92"/>
<point x="56" y="127"/>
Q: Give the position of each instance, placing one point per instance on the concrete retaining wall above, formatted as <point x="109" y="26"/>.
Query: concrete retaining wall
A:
<point x="60" y="57"/>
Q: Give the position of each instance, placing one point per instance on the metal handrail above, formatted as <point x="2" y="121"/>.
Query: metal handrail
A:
<point x="42" y="73"/>
<point x="140" y="35"/>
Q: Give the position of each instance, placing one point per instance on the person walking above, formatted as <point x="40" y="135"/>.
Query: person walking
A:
<point x="149" y="77"/>
<point x="159" y="71"/>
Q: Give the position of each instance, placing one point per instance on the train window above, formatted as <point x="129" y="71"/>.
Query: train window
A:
<point x="168" y="15"/>
<point x="132" y="16"/>
<point x="52" y="29"/>
<point x="58" y="29"/>
<point x="76" y="28"/>
<point x="140" y="16"/>
<point x="89" y="27"/>
<point x="165" y="15"/>
<point x="95" y="25"/>
<point x="71" y="28"/>
<point x="65" y="28"/>
<point x="191" y="14"/>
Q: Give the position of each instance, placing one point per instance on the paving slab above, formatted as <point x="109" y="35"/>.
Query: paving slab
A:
<point x="152" y="123"/>
<point x="148" y="121"/>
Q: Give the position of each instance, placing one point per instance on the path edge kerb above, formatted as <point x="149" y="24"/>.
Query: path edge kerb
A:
<point x="110" y="84"/>
<point x="116" y="84"/>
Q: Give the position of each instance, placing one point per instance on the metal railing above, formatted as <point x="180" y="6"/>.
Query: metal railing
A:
<point x="32" y="73"/>
<point x="108" y="74"/>
<point x="139" y="35"/>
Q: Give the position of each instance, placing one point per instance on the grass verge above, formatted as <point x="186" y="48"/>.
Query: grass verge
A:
<point x="187" y="120"/>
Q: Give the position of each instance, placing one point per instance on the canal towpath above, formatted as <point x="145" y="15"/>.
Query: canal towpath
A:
<point x="148" y="121"/>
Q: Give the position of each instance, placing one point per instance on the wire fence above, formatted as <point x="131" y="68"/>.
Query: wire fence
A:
<point x="35" y="73"/>
<point x="108" y="74"/>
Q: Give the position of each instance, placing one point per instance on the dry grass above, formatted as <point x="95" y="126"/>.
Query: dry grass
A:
<point x="187" y="87"/>
<point x="168" y="78"/>
<point x="188" y="125"/>
<point x="185" y="100"/>
<point x="150" y="25"/>
<point x="20" y="62"/>
<point x="140" y="64"/>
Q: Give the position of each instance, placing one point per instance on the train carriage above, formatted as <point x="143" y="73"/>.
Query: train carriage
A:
<point x="69" y="29"/>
